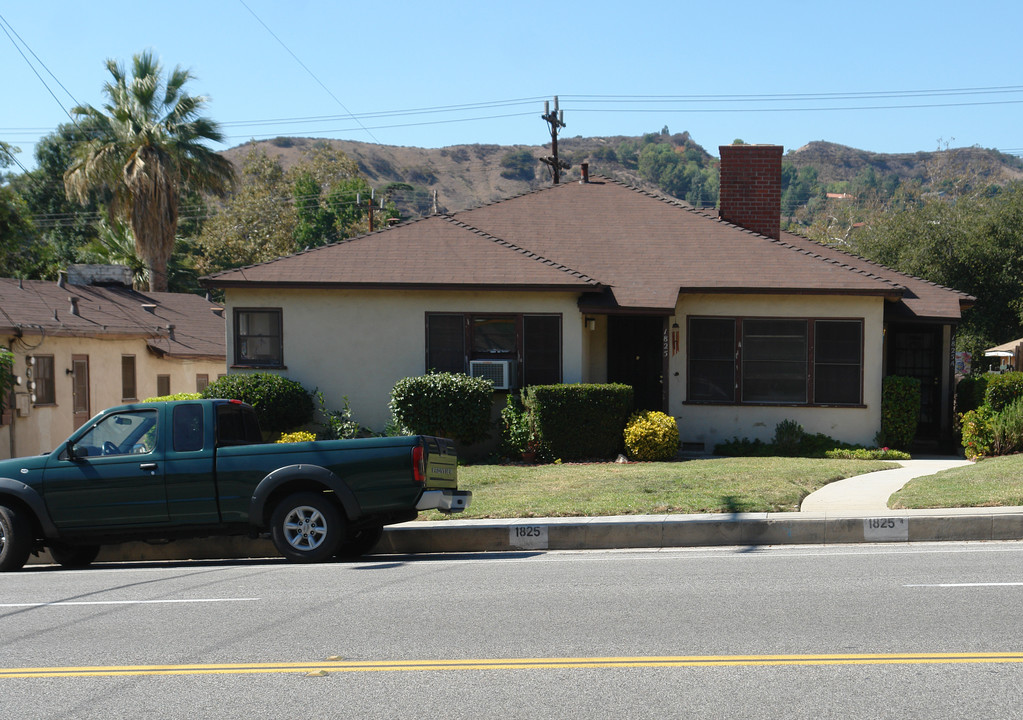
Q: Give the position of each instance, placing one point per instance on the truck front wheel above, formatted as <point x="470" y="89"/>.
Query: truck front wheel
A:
<point x="306" y="527"/>
<point x="15" y="539"/>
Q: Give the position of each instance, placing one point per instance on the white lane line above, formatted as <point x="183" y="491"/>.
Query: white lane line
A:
<point x="57" y="603"/>
<point x="957" y="585"/>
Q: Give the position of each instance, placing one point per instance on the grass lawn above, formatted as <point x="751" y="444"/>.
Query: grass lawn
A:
<point x="993" y="482"/>
<point x="756" y="484"/>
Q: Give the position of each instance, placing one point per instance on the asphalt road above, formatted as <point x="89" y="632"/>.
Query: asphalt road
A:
<point x="854" y="631"/>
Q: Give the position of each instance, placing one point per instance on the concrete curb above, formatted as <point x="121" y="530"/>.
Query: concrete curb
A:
<point x="627" y="531"/>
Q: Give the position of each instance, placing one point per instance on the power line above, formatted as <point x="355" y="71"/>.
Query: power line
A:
<point x="299" y="61"/>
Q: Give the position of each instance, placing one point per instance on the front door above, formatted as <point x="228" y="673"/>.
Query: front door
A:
<point x="636" y="357"/>
<point x="80" y="403"/>
<point x="916" y="352"/>
<point x="116" y="478"/>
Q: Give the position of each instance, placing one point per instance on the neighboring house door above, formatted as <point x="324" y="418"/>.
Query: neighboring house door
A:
<point x="916" y="353"/>
<point x="80" y="389"/>
<point x="635" y="356"/>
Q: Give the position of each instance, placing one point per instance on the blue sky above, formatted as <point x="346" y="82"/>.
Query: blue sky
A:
<point x="878" y="76"/>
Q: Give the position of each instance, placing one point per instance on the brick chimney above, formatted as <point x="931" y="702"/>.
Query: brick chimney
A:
<point x="750" y="191"/>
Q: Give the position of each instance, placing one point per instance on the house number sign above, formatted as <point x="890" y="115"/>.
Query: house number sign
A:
<point x="886" y="528"/>
<point x="528" y="537"/>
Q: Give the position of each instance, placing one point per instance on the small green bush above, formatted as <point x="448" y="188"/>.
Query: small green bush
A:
<point x="1007" y="429"/>
<point x="450" y="405"/>
<point x="281" y="403"/>
<point x="900" y="411"/>
<point x="7" y="379"/>
<point x="788" y="436"/>
<point x="790" y="440"/>
<point x="1004" y="389"/>
<point x="970" y="393"/>
<point x="977" y="433"/>
<point x="651" y="435"/>
<point x="337" y="424"/>
<point x="516" y="431"/>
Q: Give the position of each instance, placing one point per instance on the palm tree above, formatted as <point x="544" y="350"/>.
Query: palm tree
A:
<point x="147" y="147"/>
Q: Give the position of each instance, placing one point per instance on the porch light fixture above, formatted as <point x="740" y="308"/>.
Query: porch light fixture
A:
<point x="591" y="323"/>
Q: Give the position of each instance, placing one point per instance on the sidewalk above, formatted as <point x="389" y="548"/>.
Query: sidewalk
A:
<point x="853" y="510"/>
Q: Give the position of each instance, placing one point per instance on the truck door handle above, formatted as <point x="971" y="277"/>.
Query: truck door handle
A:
<point x="147" y="466"/>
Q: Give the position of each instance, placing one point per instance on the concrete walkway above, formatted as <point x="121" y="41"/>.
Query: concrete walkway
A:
<point x="870" y="492"/>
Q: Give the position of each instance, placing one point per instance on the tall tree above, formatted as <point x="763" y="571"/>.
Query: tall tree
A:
<point x="147" y="148"/>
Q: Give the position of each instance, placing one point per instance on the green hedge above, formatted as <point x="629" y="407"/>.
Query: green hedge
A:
<point x="281" y="404"/>
<point x="970" y="392"/>
<point x="450" y="405"/>
<point x="580" y="422"/>
<point x="1003" y="390"/>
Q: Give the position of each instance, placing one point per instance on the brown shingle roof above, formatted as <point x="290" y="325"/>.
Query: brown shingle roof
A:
<point x="44" y="307"/>
<point x="630" y="249"/>
<point x="436" y="251"/>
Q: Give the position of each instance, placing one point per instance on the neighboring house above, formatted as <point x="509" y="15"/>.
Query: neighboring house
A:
<point x="1010" y="355"/>
<point x="90" y="342"/>
<point x="724" y="322"/>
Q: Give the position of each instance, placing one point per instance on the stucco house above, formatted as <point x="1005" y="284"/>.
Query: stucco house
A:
<point x="89" y="341"/>
<point x="722" y="320"/>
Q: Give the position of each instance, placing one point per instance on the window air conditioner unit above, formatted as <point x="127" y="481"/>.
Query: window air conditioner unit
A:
<point x="499" y="372"/>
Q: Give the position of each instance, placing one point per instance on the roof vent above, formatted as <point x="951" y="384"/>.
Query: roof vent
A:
<point x="149" y="308"/>
<point x="170" y="331"/>
<point x="585" y="168"/>
<point x="74" y="307"/>
<point x="218" y="311"/>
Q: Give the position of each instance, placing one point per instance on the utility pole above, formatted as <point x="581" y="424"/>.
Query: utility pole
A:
<point x="556" y="121"/>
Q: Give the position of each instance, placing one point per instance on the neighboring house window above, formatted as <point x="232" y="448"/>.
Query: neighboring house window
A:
<point x="781" y="361"/>
<point x="531" y="342"/>
<point x="258" y="337"/>
<point x="163" y="385"/>
<point x="42" y="376"/>
<point x="128" y="387"/>
<point x="202" y="380"/>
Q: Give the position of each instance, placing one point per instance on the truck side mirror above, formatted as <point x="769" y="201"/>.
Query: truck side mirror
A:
<point x="71" y="452"/>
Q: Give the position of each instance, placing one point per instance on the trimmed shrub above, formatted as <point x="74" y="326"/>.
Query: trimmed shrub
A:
<point x="977" y="432"/>
<point x="1003" y="390"/>
<point x="970" y="392"/>
<point x="651" y="435"/>
<point x="788" y="436"/>
<point x="450" y="405"/>
<point x="281" y="403"/>
<point x="175" y="396"/>
<point x="297" y="436"/>
<point x="579" y="422"/>
<point x="900" y="411"/>
<point x="7" y="380"/>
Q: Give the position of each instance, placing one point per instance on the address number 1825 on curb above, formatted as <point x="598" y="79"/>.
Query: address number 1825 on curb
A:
<point x="885" y="528"/>
<point x="528" y="537"/>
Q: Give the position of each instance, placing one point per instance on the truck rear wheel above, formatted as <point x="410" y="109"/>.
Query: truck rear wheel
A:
<point x="15" y="539"/>
<point x="360" y="542"/>
<point x="74" y="556"/>
<point x="306" y="527"/>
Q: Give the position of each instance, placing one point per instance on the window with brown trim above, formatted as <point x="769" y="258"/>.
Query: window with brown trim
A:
<point x="532" y="343"/>
<point x="775" y="361"/>
<point x="128" y="385"/>
<point x="45" y="390"/>
<point x="163" y="385"/>
<point x="258" y="337"/>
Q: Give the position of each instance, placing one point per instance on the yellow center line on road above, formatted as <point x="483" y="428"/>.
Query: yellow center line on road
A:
<point x="341" y="666"/>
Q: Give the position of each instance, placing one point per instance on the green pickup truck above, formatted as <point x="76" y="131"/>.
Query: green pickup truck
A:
<point x="196" y="468"/>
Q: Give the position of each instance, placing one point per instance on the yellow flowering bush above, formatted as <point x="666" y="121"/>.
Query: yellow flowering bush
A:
<point x="651" y="435"/>
<point x="297" y="436"/>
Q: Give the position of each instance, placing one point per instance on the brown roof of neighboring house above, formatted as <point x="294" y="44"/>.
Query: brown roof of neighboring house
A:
<point x="629" y="249"/>
<point x="41" y="307"/>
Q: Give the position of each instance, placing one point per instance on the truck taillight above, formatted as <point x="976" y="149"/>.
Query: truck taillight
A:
<point x="419" y="464"/>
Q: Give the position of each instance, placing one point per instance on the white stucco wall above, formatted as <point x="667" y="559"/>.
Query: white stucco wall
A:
<point x="46" y="426"/>
<point x="358" y="344"/>
<point x="710" y="424"/>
